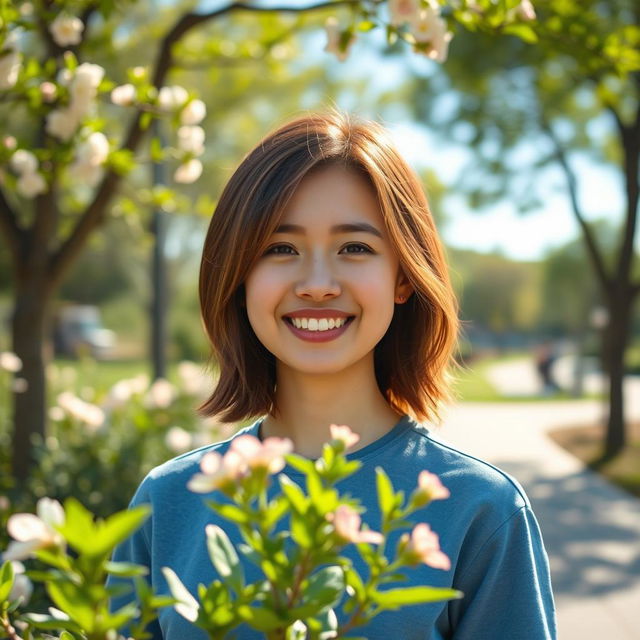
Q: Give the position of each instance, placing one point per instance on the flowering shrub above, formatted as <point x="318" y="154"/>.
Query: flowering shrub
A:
<point x="304" y="574"/>
<point x="97" y="435"/>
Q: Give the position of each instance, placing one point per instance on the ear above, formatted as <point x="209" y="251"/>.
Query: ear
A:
<point x="403" y="289"/>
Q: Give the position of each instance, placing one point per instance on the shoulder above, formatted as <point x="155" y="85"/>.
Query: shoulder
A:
<point x="473" y="483"/>
<point x="171" y="477"/>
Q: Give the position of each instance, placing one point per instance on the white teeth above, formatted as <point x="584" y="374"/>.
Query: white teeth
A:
<point x="318" y="324"/>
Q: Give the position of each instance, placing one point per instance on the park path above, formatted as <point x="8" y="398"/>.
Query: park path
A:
<point x="591" y="528"/>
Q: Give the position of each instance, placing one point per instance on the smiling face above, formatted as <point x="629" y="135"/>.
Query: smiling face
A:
<point x="321" y="295"/>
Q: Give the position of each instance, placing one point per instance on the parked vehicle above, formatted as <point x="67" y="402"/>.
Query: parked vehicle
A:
<point x="78" y="330"/>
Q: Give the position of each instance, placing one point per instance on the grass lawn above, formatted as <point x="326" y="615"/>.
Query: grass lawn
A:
<point x="586" y="443"/>
<point x="105" y="373"/>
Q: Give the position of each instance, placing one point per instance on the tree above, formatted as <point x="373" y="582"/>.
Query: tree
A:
<point x="523" y="109"/>
<point x="62" y="173"/>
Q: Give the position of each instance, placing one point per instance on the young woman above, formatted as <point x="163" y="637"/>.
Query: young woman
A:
<point x="325" y="295"/>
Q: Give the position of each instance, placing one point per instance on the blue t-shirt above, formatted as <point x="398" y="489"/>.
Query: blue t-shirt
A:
<point x="486" y="528"/>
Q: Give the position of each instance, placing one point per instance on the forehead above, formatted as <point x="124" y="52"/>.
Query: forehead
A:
<point x="331" y="195"/>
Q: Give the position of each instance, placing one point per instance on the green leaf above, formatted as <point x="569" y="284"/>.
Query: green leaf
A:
<point x="396" y="598"/>
<point x="229" y="512"/>
<point x="125" y="569"/>
<point x="300" y="531"/>
<point x="118" y="527"/>
<point x="325" y="587"/>
<point x="301" y="464"/>
<point x="294" y="493"/>
<point x="385" y="493"/>
<point x="366" y="25"/>
<point x="224" y="557"/>
<point x="6" y="581"/>
<point x="355" y="582"/>
<point x="523" y="31"/>
<point x="75" y="601"/>
<point x="260" y="618"/>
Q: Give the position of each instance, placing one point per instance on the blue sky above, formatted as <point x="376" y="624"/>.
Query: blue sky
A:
<point x="498" y="228"/>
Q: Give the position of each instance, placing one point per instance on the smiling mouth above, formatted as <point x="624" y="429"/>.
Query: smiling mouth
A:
<point x="318" y="325"/>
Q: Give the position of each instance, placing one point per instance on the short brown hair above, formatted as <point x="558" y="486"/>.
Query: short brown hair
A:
<point x="412" y="359"/>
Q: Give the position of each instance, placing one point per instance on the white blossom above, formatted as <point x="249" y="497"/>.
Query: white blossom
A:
<point x="192" y="377"/>
<point x="160" y="394"/>
<point x="525" y="10"/>
<point x="9" y="142"/>
<point x="62" y="123"/>
<point x="22" y="587"/>
<point x="178" y="440"/>
<point x="193" y="112"/>
<point x="32" y="532"/>
<point x="31" y="184"/>
<point x="92" y="415"/>
<point x="10" y="362"/>
<point x="188" y="172"/>
<point x="48" y="91"/>
<point x="124" y="95"/>
<point x="191" y="140"/>
<point x="94" y="150"/>
<point x="10" y="66"/>
<point x="173" y="97"/>
<point x="429" y="28"/>
<point x="66" y="30"/>
<point x="334" y="37"/>
<point x="84" y="86"/>
<point x="403" y="11"/>
<point x="23" y="161"/>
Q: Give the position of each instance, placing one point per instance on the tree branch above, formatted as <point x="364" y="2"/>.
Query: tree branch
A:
<point x="10" y="228"/>
<point x="630" y="139"/>
<point x="592" y="247"/>
<point x="95" y="213"/>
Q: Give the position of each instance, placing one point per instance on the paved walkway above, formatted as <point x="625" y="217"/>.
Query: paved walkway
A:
<point x="591" y="528"/>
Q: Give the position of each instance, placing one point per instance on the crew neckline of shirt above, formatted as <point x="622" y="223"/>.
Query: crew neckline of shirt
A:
<point x="405" y="423"/>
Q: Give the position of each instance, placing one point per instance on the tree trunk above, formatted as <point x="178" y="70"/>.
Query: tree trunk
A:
<point x="29" y="324"/>
<point x="616" y="338"/>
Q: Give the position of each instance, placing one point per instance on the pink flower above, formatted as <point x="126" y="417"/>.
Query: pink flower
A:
<point x="346" y="522"/>
<point x="429" y="486"/>
<point x="344" y="434"/>
<point x="217" y="472"/>
<point x="424" y="546"/>
<point x="269" y="454"/>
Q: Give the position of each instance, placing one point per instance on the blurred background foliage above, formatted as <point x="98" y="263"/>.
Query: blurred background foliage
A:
<point x="253" y="72"/>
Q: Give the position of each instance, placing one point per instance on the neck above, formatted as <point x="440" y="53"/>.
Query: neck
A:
<point x="308" y="404"/>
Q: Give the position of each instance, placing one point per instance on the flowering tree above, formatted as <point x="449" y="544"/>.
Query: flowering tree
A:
<point x="65" y="152"/>
<point x="575" y="94"/>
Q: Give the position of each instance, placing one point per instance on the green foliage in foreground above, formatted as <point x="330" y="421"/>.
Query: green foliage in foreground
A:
<point x="304" y="575"/>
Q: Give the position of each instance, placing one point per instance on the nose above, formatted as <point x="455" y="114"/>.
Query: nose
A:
<point x="317" y="282"/>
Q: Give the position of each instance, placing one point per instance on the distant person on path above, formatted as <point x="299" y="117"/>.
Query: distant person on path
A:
<point x="326" y="297"/>
<point x="545" y="356"/>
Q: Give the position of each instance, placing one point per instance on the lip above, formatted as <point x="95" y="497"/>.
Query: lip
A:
<point x="319" y="336"/>
<point x="317" y="313"/>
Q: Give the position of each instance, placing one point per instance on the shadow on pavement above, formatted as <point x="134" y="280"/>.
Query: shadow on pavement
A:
<point x="591" y="530"/>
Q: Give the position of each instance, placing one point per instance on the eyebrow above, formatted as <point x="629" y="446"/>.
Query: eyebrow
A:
<point x="350" y="227"/>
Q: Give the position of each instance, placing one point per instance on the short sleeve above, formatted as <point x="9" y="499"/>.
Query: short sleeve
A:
<point x="507" y="586"/>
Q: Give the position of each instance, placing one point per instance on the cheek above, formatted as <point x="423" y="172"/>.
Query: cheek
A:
<point x="262" y="290"/>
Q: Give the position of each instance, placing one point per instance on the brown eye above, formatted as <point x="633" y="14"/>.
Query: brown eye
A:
<point x="357" y="247"/>
<point x="280" y="250"/>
